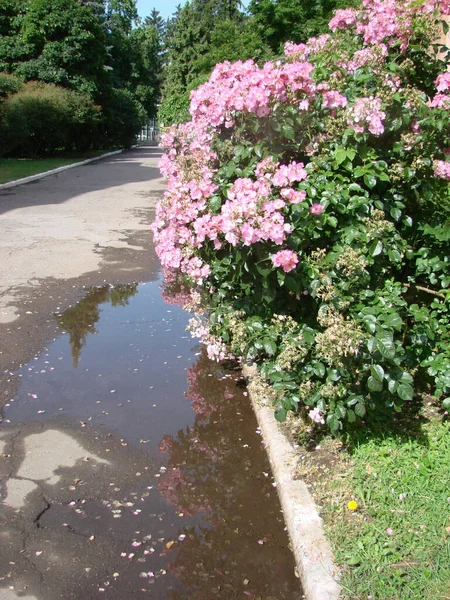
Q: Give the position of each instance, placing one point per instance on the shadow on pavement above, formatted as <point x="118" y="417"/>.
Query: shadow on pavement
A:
<point x="117" y="171"/>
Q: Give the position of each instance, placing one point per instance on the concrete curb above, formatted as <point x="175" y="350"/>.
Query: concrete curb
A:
<point x="37" y="176"/>
<point x="311" y="549"/>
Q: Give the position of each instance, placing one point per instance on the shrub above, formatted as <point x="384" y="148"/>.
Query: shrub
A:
<point x="9" y="84"/>
<point x="309" y="201"/>
<point x="174" y="108"/>
<point x="43" y="118"/>
<point x="123" y="118"/>
<point x="84" y="121"/>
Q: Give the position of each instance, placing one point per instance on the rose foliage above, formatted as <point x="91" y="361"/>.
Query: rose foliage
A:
<point x="308" y="201"/>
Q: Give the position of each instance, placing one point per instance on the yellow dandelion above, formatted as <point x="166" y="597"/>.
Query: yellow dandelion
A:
<point x="352" y="505"/>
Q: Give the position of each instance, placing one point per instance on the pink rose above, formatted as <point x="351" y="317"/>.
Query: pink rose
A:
<point x="316" y="209"/>
<point x="286" y="259"/>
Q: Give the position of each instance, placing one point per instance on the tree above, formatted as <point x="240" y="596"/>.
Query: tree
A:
<point x="146" y="66"/>
<point x="158" y="23"/>
<point x="11" y="12"/>
<point x="96" y="47"/>
<point x="202" y="33"/>
<point x="279" y="21"/>
<point x="121" y="15"/>
<point x="61" y="43"/>
<point x="232" y="40"/>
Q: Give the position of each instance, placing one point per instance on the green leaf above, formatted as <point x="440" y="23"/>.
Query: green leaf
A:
<point x="370" y="181"/>
<point x="333" y="375"/>
<point x="340" y="155"/>
<point x="292" y="283"/>
<point x="376" y="248"/>
<point x="269" y="346"/>
<point x="269" y="294"/>
<point x="280" y="414"/>
<point x="351" y="417"/>
<point x="370" y="322"/>
<point x="360" y="409"/>
<point x="394" y="256"/>
<point x="288" y="132"/>
<point x="377" y="372"/>
<point x="407" y="221"/>
<point x="333" y="423"/>
<point x="385" y="344"/>
<point x="374" y="385"/>
<point x="394" y="320"/>
<point x="406" y="378"/>
<point x="341" y="411"/>
<point x="396" y="213"/>
<point x="281" y="277"/>
<point x="405" y="391"/>
<point x="372" y="345"/>
<point x="332" y="221"/>
<point x="440" y="232"/>
<point x="392" y="386"/>
<point x="215" y="203"/>
<point x="318" y="369"/>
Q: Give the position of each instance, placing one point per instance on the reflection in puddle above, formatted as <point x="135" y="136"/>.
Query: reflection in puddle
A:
<point x="182" y="505"/>
<point x="79" y="320"/>
<point x="217" y="468"/>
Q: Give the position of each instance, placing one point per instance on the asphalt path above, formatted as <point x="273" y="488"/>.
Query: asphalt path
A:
<point x="130" y="464"/>
<point x="59" y="236"/>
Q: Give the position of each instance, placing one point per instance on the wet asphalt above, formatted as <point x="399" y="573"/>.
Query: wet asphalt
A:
<point x="131" y="465"/>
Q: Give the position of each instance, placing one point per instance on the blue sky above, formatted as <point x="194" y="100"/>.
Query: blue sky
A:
<point x="165" y="7"/>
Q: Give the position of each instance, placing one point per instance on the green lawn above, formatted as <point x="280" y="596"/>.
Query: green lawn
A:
<point x="396" y="544"/>
<point x="17" y="168"/>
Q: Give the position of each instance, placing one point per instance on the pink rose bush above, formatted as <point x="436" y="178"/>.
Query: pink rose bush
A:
<point x="306" y="197"/>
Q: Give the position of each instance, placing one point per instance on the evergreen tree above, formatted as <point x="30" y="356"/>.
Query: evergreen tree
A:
<point x="279" y="21"/>
<point x="158" y="23"/>
<point x="201" y="33"/>
<point x="121" y="15"/>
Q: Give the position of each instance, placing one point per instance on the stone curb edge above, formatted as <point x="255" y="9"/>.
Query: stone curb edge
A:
<point x="311" y="549"/>
<point x="37" y="176"/>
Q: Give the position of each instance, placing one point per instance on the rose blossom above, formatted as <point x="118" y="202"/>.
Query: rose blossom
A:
<point x="316" y="209"/>
<point x="316" y="416"/>
<point x="441" y="169"/>
<point x="286" y="259"/>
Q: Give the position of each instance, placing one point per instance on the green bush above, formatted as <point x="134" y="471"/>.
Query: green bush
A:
<point x="84" y="122"/>
<point x="43" y="118"/>
<point x="123" y="118"/>
<point x="9" y="84"/>
<point x="310" y="201"/>
<point x="174" y="109"/>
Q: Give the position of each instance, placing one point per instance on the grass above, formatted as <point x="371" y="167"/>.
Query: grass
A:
<point x="396" y="544"/>
<point x="17" y="168"/>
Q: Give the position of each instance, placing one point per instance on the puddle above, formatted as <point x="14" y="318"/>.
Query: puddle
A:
<point x="161" y="488"/>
